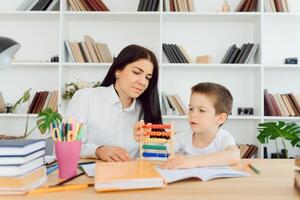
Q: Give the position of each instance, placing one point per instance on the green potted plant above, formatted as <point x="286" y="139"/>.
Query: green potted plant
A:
<point x="285" y="132"/>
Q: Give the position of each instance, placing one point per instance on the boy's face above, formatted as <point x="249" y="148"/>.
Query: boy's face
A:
<point x="202" y="115"/>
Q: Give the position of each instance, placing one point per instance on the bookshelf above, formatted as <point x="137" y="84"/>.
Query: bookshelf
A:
<point x="205" y="31"/>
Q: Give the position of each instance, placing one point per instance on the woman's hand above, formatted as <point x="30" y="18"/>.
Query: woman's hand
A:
<point x="112" y="154"/>
<point x="179" y="162"/>
<point x="138" y="130"/>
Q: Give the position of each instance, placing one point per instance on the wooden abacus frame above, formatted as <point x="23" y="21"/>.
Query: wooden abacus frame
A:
<point x="146" y="138"/>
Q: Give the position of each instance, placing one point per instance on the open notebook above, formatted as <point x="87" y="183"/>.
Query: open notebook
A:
<point x="141" y="174"/>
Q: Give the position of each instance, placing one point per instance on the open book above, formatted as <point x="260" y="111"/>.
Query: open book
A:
<point x="142" y="174"/>
<point x="203" y="173"/>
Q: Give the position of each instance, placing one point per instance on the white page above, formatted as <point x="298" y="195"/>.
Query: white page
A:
<point x="203" y="173"/>
<point x="89" y="169"/>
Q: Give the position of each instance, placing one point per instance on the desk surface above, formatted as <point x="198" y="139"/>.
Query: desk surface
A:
<point x="276" y="181"/>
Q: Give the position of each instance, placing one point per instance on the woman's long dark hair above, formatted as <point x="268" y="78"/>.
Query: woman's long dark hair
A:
<point x="149" y="99"/>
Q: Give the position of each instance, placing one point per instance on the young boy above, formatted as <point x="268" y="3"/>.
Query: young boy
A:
<point x="208" y="144"/>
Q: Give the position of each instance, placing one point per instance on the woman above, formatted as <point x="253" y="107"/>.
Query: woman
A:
<point x="127" y="94"/>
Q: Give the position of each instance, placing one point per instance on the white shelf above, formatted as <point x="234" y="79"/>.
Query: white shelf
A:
<point x="211" y="66"/>
<point x="210" y="16"/>
<point x="282" y="118"/>
<point x="282" y="66"/>
<point x="13" y="115"/>
<point x="112" y="16"/>
<point x="25" y="65"/>
<point x="89" y="65"/>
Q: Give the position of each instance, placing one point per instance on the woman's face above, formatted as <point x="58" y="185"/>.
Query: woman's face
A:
<point x="134" y="79"/>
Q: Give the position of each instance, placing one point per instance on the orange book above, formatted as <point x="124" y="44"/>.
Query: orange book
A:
<point x="140" y="174"/>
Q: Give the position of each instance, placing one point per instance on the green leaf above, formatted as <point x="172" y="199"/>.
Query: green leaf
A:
<point x="46" y="118"/>
<point x="273" y="130"/>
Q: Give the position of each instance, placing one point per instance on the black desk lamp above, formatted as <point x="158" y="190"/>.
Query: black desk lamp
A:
<point x="8" y="49"/>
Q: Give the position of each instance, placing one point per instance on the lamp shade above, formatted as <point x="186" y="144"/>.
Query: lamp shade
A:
<point x="8" y="48"/>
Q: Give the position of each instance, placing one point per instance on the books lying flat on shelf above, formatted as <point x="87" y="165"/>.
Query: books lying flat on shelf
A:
<point x="203" y="173"/>
<point x="24" y="183"/>
<point x="126" y="176"/>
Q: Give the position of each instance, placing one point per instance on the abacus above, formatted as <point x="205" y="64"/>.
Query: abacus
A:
<point x="157" y="142"/>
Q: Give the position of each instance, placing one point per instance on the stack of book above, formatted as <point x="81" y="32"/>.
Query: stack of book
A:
<point x="243" y="55"/>
<point x="281" y="104"/>
<point x="173" y="105"/>
<point x="87" y="5"/>
<point x="277" y="6"/>
<point x="148" y="5"/>
<point x="176" y="53"/>
<point x="43" y="100"/>
<point x="247" y="6"/>
<point x="21" y="165"/>
<point x="297" y="172"/>
<point x="179" y="5"/>
<point x="88" y="51"/>
<point x="247" y="150"/>
<point x="39" y="5"/>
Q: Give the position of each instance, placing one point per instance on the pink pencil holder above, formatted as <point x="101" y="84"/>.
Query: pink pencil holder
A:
<point x="67" y="155"/>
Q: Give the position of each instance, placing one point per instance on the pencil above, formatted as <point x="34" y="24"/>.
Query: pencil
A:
<point x="59" y="188"/>
<point x="254" y="169"/>
<point x="67" y="180"/>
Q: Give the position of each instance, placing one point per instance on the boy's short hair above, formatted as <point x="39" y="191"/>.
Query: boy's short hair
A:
<point x="218" y="93"/>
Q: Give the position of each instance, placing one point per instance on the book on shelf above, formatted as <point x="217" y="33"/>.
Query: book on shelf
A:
<point x="88" y="51"/>
<point x="175" y="53"/>
<point x="247" y="150"/>
<point x="281" y="104"/>
<point x="148" y="5"/>
<point x="87" y="5"/>
<point x="243" y="55"/>
<point x="38" y="5"/>
<point x="247" y="6"/>
<point x="276" y="5"/>
<point x="297" y="172"/>
<point x="23" y="183"/>
<point x="42" y="100"/>
<point x="173" y="104"/>
<point x="178" y="5"/>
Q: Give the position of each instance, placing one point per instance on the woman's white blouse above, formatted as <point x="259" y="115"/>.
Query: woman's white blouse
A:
<point x="105" y="121"/>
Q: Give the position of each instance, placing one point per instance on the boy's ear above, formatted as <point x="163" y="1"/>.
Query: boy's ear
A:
<point x="221" y="118"/>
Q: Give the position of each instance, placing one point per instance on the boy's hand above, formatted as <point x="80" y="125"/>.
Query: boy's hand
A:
<point x="179" y="162"/>
<point x="112" y="154"/>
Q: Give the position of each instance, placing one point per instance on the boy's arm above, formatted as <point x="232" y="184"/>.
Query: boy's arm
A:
<point x="230" y="156"/>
